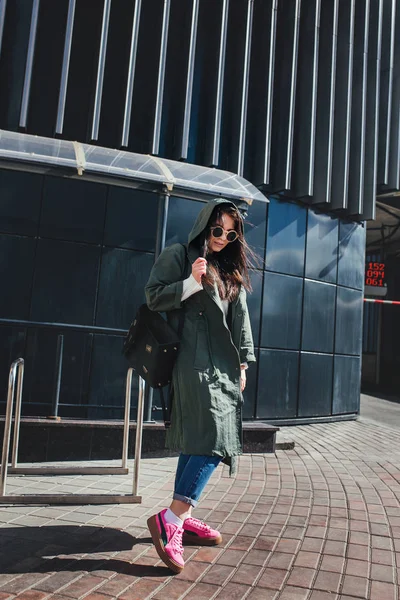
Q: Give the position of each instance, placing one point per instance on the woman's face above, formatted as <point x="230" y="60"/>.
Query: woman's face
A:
<point x="218" y="244"/>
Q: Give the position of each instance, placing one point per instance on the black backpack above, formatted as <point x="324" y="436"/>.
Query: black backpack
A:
<point x="151" y="348"/>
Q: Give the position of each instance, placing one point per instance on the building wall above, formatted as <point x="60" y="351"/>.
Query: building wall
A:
<point x="74" y="258"/>
<point x="289" y="94"/>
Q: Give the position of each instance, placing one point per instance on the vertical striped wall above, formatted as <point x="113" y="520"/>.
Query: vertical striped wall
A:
<point x="302" y="97"/>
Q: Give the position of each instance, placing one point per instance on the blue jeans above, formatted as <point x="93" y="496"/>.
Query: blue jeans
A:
<point x="192" y="474"/>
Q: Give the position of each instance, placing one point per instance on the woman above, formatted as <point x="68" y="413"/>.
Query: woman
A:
<point x="208" y="281"/>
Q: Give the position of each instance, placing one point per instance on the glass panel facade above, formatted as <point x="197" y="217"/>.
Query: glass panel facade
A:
<point x="318" y="317"/>
<point x="65" y="282"/>
<point x="322" y="247"/>
<point x="73" y="210"/>
<point x="349" y="321"/>
<point x="137" y="229"/>
<point x="315" y="385"/>
<point x="281" y="311"/>
<point x="346" y="384"/>
<point x="16" y="271"/>
<point x="286" y="238"/>
<point x="277" y="384"/>
<point x="351" y="255"/>
<point x="76" y="258"/>
<point x="20" y="202"/>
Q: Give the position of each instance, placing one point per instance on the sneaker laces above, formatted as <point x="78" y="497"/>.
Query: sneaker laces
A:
<point x="200" y="524"/>
<point x="176" y="541"/>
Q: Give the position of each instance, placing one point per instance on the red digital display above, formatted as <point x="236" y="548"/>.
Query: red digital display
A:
<point x="375" y="274"/>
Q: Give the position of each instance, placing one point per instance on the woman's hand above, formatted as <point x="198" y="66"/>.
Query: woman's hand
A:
<point x="199" y="268"/>
<point x="242" y="379"/>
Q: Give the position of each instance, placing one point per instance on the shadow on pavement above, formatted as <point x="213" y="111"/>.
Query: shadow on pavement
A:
<point x="46" y="549"/>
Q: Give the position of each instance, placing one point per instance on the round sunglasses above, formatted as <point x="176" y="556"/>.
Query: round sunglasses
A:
<point x="217" y="232"/>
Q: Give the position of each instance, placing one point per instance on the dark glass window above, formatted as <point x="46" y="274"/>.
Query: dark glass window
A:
<point x="182" y="214"/>
<point x="277" y="384"/>
<point x="254" y="229"/>
<point x="286" y="237"/>
<point x="254" y="304"/>
<point x="281" y="311"/>
<point x="315" y="385"/>
<point x="131" y="220"/>
<point x="322" y="247"/>
<point x="348" y="321"/>
<point x="250" y="392"/>
<point x="20" y="202"/>
<point x="73" y="210"/>
<point x="124" y="273"/>
<point x="107" y="381"/>
<point x="346" y="384"/>
<point x="12" y="346"/>
<point x="65" y="282"/>
<point x="16" y="273"/>
<point x="318" y="317"/>
<point x="351" y="255"/>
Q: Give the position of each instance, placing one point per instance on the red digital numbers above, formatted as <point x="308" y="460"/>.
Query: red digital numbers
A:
<point x="375" y="274"/>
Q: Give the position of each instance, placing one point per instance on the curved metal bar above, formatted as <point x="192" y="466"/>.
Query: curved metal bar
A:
<point x="62" y="96"/>
<point x="7" y="423"/>
<point x="245" y="88"/>
<point x="131" y="74"/>
<point x="127" y="416"/>
<point x="29" y="64"/>
<point x="2" y="19"/>
<point x="17" y="420"/>
<point x="139" y="431"/>
<point x="100" y="69"/>
<point x="161" y="78"/>
<point x="189" y="80"/>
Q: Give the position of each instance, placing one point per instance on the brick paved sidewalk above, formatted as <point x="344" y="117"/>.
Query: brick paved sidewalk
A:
<point x="320" y="522"/>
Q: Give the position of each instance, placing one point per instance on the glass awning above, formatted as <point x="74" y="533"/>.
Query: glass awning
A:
<point x="84" y="158"/>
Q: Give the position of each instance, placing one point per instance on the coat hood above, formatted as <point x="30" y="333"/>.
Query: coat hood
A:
<point x="204" y="216"/>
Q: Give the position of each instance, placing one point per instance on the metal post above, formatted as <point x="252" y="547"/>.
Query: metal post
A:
<point x="17" y="420"/>
<point x="378" y="347"/>
<point x="161" y="234"/>
<point x="139" y="432"/>
<point x="125" y="443"/>
<point x="7" y="424"/>
<point x="57" y="378"/>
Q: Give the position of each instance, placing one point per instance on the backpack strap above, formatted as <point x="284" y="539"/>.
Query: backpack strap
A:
<point x="167" y="409"/>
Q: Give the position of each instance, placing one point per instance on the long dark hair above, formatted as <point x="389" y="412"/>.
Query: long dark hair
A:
<point x="229" y="268"/>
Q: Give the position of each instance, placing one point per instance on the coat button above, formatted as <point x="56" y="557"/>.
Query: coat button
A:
<point x="200" y="314"/>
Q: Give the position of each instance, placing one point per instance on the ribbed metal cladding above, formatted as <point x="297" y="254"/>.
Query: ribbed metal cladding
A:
<point x="302" y="97"/>
<point x="2" y="17"/>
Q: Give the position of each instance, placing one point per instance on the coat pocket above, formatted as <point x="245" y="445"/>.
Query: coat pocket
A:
<point x="202" y="358"/>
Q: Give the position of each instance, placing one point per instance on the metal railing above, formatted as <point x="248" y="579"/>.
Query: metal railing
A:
<point x="17" y="367"/>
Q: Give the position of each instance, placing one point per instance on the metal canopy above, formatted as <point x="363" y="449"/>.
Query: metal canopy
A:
<point x="85" y="158"/>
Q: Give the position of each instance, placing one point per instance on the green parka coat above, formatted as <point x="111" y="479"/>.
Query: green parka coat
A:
<point x="207" y="401"/>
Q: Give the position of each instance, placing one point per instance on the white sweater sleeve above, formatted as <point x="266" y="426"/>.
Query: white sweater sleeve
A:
<point x="190" y="287"/>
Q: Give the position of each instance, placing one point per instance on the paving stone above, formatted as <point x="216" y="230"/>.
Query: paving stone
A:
<point x="355" y="586"/>
<point x="301" y="577"/>
<point x="301" y="524"/>
<point x="173" y="590"/>
<point x="140" y="590"/>
<point x="380" y="591"/>
<point x="357" y="567"/>
<point x="294" y="593"/>
<point x="233" y="591"/>
<point x="203" y="591"/>
<point x="273" y="578"/>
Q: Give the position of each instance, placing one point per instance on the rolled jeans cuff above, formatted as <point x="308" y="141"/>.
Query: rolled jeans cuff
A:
<point x="185" y="499"/>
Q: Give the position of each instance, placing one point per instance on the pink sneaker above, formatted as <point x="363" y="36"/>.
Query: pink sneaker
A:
<point x="199" y="533"/>
<point x="167" y="539"/>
